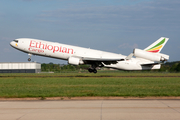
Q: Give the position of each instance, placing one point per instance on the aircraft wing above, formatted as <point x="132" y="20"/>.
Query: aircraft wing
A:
<point x="100" y="59"/>
<point x="104" y="60"/>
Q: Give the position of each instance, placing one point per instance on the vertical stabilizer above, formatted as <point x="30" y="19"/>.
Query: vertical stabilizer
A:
<point x="157" y="46"/>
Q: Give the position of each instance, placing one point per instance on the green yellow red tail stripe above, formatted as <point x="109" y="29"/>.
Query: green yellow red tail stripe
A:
<point x="157" y="47"/>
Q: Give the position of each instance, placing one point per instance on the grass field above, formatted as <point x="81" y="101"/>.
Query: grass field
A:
<point x="99" y="74"/>
<point x="85" y="84"/>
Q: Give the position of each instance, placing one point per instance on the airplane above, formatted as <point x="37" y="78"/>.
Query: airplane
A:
<point x="147" y="59"/>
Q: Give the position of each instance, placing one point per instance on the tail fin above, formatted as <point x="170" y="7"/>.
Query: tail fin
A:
<point x="157" y="46"/>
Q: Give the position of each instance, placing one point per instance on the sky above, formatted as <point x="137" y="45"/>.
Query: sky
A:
<point x="116" y="26"/>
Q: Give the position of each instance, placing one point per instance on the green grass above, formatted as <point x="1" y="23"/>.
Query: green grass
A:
<point x="99" y="74"/>
<point x="88" y="86"/>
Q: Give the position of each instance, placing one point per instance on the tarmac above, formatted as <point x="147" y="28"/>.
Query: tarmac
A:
<point x="90" y="110"/>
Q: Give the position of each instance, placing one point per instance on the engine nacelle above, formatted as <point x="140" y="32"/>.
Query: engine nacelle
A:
<point x="75" y="61"/>
<point x="150" y="56"/>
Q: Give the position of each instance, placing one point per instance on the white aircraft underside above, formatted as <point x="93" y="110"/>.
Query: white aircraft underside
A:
<point x="146" y="59"/>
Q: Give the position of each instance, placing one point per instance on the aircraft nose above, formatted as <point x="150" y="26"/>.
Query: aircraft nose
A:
<point x="12" y="43"/>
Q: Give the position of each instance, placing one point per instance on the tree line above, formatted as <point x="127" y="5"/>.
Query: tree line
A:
<point x="170" y="67"/>
<point x="61" y="67"/>
<point x="46" y="67"/>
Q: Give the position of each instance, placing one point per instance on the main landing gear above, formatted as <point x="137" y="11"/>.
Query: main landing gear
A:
<point x="29" y="59"/>
<point x="92" y="68"/>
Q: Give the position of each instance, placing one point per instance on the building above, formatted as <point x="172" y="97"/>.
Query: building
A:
<point x="26" y="67"/>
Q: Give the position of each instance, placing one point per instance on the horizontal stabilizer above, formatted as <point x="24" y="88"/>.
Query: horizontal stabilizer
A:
<point x="150" y="64"/>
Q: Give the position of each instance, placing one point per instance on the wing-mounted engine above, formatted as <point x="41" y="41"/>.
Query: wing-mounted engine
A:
<point x="75" y="61"/>
<point x="158" y="57"/>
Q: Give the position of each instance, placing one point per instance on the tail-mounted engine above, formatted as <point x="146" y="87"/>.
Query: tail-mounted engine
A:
<point x="150" y="56"/>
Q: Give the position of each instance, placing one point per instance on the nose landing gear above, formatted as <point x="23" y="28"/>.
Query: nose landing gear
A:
<point x="29" y="59"/>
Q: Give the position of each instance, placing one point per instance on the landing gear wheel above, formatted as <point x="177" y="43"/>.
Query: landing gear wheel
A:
<point x="95" y="71"/>
<point x="92" y="70"/>
<point x="29" y="59"/>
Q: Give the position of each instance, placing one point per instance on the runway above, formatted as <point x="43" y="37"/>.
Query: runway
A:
<point x="90" y="110"/>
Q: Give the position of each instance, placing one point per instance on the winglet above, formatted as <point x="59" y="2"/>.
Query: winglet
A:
<point x="157" y="46"/>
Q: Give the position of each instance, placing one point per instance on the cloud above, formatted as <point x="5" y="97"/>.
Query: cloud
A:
<point x="5" y="47"/>
<point x="1" y="14"/>
<point x="90" y="14"/>
<point x="148" y="15"/>
<point x="6" y="39"/>
<point x="6" y="50"/>
<point x="27" y="0"/>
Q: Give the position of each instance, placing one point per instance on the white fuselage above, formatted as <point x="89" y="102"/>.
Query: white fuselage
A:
<point x="63" y="51"/>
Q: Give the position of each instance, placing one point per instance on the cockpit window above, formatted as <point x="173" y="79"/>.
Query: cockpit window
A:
<point x="15" y="41"/>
